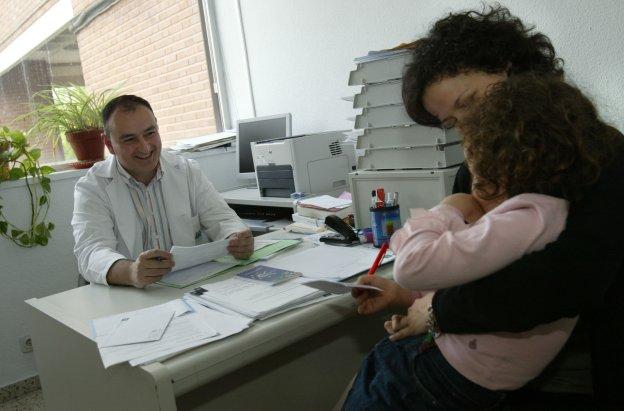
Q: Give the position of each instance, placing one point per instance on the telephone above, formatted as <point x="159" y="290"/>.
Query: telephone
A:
<point x="346" y="235"/>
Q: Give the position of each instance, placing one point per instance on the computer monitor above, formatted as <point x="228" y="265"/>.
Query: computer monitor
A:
<point x="256" y="129"/>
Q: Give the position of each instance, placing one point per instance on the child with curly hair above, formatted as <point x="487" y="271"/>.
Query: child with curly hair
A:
<point x="533" y="144"/>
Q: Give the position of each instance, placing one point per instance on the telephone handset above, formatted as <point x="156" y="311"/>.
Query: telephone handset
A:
<point x="346" y="235"/>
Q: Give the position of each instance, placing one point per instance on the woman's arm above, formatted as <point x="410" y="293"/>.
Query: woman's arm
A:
<point x="433" y="253"/>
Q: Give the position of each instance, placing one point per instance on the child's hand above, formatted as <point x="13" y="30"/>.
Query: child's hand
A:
<point x="370" y="302"/>
<point x="414" y="323"/>
<point x="467" y="204"/>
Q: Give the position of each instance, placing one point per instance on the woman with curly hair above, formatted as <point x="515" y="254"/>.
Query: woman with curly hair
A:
<point x="534" y="144"/>
<point x="461" y="57"/>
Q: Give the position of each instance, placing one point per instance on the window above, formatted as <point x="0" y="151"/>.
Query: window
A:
<point x="55" y="63"/>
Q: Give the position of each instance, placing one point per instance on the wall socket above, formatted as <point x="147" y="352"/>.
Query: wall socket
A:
<point x="25" y="344"/>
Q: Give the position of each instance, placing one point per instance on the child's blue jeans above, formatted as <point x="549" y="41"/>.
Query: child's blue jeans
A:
<point x="397" y="376"/>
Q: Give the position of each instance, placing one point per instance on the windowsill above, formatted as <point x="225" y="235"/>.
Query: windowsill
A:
<point x="64" y="171"/>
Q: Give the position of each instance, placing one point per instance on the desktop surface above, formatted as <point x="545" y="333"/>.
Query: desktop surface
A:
<point x="256" y="352"/>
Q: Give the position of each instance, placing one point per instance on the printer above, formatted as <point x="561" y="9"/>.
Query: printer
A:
<point x="310" y="163"/>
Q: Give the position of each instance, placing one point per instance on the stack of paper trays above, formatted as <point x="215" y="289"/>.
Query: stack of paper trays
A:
<point x="254" y="300"/>
<point x="155" y="333"/>
<point x="388" y="140"/>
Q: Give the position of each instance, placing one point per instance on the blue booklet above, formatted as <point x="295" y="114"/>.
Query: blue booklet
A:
<point x="268" y="275"/>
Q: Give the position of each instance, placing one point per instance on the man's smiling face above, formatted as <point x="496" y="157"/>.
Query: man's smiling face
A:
<point x="134" y="139"/>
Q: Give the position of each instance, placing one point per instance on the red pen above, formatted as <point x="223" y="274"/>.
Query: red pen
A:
<point x="380" y="254"/>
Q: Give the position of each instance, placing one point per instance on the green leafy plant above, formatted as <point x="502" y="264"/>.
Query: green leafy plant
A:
<point x="63" y="109"/>
<point x="18" y="160"/>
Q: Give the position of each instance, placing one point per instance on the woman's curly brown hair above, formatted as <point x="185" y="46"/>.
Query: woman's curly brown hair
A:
<point x="491" y="41"/>
<point x="538" y="134"/>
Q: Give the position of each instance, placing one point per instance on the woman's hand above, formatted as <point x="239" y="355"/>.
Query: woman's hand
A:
<point x="370" y="302"/>
<point x="414" y="323"/>
<point x="467" y="205"/>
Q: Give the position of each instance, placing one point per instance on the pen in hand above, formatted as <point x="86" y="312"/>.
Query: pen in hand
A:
<point x="380" y="254"/>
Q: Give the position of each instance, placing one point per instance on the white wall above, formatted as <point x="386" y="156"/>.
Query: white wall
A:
<point x="42" y="271"/>
<point x="300" y="51"/>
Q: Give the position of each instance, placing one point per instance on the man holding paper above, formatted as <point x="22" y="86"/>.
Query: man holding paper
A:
<point x="132" y="207"/>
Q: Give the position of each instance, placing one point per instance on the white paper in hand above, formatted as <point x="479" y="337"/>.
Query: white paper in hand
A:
<point x="336" y="287"/>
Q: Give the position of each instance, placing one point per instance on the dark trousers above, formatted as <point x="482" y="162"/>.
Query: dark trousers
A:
<point x="399" y="376"/>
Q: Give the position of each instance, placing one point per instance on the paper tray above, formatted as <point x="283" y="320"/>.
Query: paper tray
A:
<point x="380" y="94"/>
<point x="383" y="116"/>
<point x="404" y="136"/>
<point x="397" y="158"/>
<point x="377" y="71"/>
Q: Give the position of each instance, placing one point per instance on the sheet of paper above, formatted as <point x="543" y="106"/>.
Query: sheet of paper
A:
<point x="185" y="257"/>
<point x="182" y="330"/>
<point x="329" y="262"/>
<point x="105" y="326"/>
<point x="136" y="328"/>
<point x="336" y="287"/>
<point x="225" y="324"/>
<point x="325" y="202"/>
<point x="192" y="275"/>
<point x="253" y="299"/>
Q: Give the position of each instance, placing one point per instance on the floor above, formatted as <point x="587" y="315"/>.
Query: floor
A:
<point x="23" y="395"/>
<point x="33" y="401"/>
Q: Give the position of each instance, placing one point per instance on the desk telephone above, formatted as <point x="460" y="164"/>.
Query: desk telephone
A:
<point x="346" y="235"/>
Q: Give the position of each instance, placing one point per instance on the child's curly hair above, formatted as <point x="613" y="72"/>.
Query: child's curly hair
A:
<point x="491" y="41"/>
<point x="538" y="134"/>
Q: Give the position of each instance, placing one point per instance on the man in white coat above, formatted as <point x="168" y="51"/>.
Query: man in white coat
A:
<point x="132" y="207"/>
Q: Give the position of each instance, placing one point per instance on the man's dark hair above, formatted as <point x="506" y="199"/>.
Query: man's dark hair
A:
<point x="126" y="102"/>
<point x="491" y="41"/>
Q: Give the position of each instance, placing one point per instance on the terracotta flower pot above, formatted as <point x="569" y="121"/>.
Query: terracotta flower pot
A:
<point x="88" y="145"/>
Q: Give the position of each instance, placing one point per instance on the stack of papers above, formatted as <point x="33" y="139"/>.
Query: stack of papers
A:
<point x="204" y="142"/>
<point x="198" y="263"/>
<point x="320" y="207"/>
<point x="254" y="300"/>
<point x="325" y="202"/>
<point x="188" y="325"/>
<point x="330" y="262"/>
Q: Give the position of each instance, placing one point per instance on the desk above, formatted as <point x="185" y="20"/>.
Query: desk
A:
<point x="299" y="360"/>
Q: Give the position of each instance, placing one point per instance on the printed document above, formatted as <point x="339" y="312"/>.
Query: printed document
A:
<point x="336" y="287"/>
<point x="329" y="262"/>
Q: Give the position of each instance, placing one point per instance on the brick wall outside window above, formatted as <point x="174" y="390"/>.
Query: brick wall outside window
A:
<point x="156" y="49"/>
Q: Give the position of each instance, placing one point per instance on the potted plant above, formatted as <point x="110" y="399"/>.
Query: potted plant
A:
<point x="18" y="160"/>
<point x="75" y="112"/>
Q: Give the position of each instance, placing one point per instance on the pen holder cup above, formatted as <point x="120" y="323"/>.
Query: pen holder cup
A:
<point x="384" y="221"/>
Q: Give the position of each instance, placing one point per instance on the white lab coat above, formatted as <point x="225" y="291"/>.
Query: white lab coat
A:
<point x="107" y="229"/>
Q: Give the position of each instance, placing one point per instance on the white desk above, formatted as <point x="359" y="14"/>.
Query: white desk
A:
<point x="251" y="196"/>
<point x="299" y="360"/>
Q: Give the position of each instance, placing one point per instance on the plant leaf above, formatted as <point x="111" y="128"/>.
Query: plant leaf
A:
<point x="16" y="173"/>
<point x="24" y="239"/>
<point x="35" y="153"/>
<point x="45" y="170"/>
<point x="15" y="233"/>
<point x="3" y="227"/>
<point x="50" y="226"/>
<point x="43" y="200"/>
<point x="45" y="184"/>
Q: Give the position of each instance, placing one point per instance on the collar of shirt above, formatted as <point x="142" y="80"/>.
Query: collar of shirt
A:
<point x="131" y="181"/>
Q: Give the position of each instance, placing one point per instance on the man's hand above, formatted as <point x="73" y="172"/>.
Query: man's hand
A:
<point x="414" y="323"/>
<point x="241" y="245"/>
<point x="467" y="204"/>
<point x="370" y="302"/>
<point x="150" y="267"/>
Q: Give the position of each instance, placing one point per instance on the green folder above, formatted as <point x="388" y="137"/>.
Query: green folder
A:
<point x="260" y="253"/>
